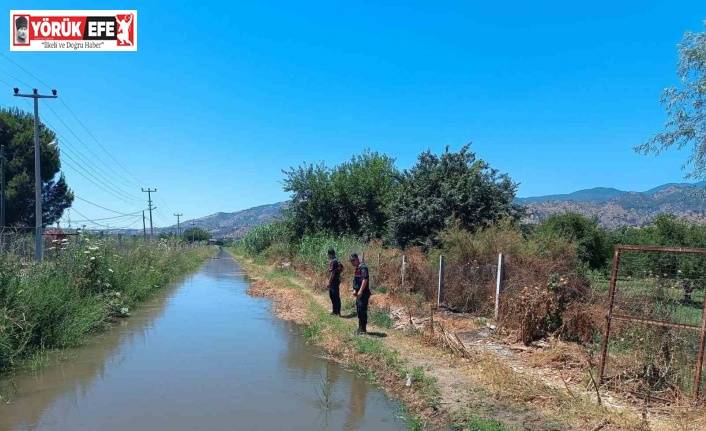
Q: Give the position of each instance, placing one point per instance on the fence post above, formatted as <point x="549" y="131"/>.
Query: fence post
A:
<point x="404" y="267"/>
<point x="498" y="285"/>
<point x="608" y="315"/>
<point x="440" y="296"/>
<point x="700" y="355"/>
<point x="431" y="323"/>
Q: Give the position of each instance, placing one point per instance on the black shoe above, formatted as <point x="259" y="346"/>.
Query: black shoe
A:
<point x="360" y="331"/>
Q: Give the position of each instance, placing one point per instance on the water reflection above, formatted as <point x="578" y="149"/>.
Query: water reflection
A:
<point x="356" y="407"/>
<point x="77" y="371"/>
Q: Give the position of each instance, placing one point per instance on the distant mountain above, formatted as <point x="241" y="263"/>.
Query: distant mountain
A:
<point x="612" y="207"/>
<point x="222" y="224"/>
<point x="686" y="201"/>
<point x="598" y="194"/>
<point x="685" y="185"/>
<point x="236" y="224"/>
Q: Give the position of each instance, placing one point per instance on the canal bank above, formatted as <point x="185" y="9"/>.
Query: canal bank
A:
<point x="482" y="391"/>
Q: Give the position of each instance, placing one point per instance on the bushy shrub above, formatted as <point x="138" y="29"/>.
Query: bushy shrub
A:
<point x="78" y="291"/>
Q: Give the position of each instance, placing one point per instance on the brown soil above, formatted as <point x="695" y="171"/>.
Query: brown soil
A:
<point x="541" y="387"/>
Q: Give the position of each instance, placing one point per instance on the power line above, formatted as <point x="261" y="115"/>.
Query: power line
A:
<point x="112" y="191"/>
<point x="92" y="182"/>
<point x="4" y="82"/>
<point x="164" y="204"/>
<point x="104" y="208"/>
<point x="110" y="218"/>
<point x="99" y="144"/>
<point x="117" y="192"/>
<point x="17" y="79"/>
<point x="88" y="148"/>
<point x="102" y="179"/>
<point x="75" y="116"/>
<point x="25" y="70"/>
<point x="100" y="224"/>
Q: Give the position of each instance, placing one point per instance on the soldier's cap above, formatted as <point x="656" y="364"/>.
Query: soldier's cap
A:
<point x="331" y="252"/>
<point x="21" y="22"/>
<point x="354" y="256"/>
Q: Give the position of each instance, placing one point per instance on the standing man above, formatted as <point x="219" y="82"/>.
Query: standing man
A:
<point x="361" y="292"/>
<point x="335" y="267"/>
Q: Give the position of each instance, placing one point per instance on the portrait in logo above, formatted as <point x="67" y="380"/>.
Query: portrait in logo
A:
<point x="124" y="23"/>
<point x="22" y="30"/>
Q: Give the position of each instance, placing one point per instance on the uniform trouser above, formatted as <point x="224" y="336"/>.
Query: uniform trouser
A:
<point x="335" y="295"/>
<point x="361" y="306"/>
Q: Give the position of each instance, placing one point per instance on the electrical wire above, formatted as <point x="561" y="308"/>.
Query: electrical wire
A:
<point x="25" y="70"/>
<point x="77" y="153"/>
<point x="117" y="176"/>
<point x="103" y="208"/>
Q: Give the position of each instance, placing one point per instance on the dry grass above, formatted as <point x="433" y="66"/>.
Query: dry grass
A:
<point x="547" y="385"/>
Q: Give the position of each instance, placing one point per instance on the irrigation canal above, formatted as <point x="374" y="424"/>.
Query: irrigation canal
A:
<point x="201" y="355"/>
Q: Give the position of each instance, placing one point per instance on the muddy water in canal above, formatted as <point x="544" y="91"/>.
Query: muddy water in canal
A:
<point x="201" y="355"/>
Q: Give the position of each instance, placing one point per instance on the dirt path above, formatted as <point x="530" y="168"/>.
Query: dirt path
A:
<point x="495" y="381"/>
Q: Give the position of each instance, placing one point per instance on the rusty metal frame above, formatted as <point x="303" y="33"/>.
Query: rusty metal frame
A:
<point x="611" y="301"/>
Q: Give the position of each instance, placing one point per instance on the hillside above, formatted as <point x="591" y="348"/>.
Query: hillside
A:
<point x="597" y="194"/>
<point x="686" y="201"/>
<point x="612" y="207"/>
<point x="235" y="224"/>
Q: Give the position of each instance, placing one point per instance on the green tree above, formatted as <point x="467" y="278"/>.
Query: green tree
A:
<point x="364" y="187"/>
<point x="167" y="235"/>
<point x="440" y="191"/>
<point x="686" y="107"/>
<point x="17" y="135"/>
<point x="351" y="198"/>
<point x="593" y="243"/>
<point x="196" y="234"/>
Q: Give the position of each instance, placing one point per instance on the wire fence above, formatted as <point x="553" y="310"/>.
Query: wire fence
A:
<point x="653" y="340"/>
<point x="19" y="241"/>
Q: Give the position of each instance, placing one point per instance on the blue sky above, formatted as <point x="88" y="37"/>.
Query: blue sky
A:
<point x="220" y="97"/>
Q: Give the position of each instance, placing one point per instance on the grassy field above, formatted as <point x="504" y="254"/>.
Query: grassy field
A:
<point x="62" y="301"/>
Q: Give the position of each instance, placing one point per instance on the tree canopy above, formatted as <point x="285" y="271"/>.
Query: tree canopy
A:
<point x="593" y="243"/>
<point x="17" y="135"/>
<point x="686" y="107"/>
<point x="367" y="197"/>
<point x="453" y="188"/>
<point x="351" y="198"/>
<point x="196" y="234"/>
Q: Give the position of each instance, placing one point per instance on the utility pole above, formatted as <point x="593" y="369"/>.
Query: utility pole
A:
<point x="2" y="185"/>
<point x="193" y="231"/>
<point x="149" y="201"/>
<point x="39" y="234"/>
<point x="144" y="228"/>
<point x="178" y="225"/>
